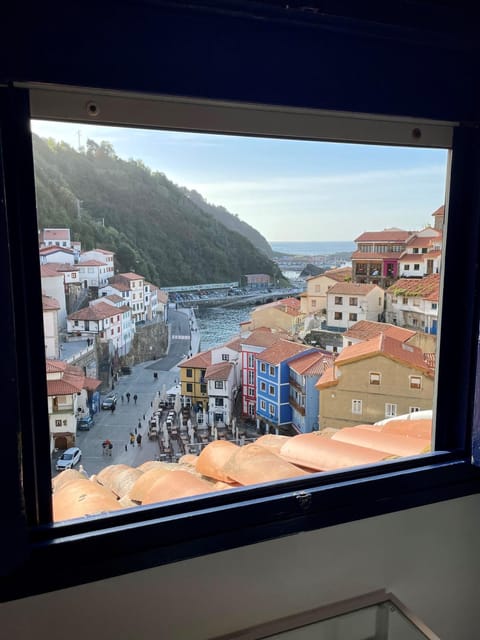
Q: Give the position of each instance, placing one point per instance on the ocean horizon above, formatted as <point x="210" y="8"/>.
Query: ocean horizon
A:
<point x="313" y="248"/>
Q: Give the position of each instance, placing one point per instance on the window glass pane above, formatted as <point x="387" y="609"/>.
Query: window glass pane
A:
<point x="185" y="305"/>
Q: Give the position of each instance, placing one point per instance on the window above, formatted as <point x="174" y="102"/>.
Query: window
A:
<point x="357" y="407"/>
<point x="189" y="387"/>
<point x="338" y="315"/>
<point x="375" y="378"/>
<point x="263" y="405"/>
<point x="407" y="267"/>
<point x="353" y="302"/>
<point x="219" y="402"/>
<point x="271" y="409"/>
<point x="251" y="377"/>
<point x="415" y="249"/>
<point x="434" y="306"/>
<point x="352" y="317"/>
<point x="218" y="384"/>
<point x="271" y="390"/>
<point x="263" y="367"/>
<point x="390" y="410"/>
<point x="272" y="371"/>
<point x="414" y="409"/>
<point x="189" y="373"/>
<point x="416" y="267"/>
<point x="225" y="357"/>
<point x="338" y="300"/>
<point x="415" y="382"/>
<point x="251" y="361"/>
<point x="203" y="388"/>
<point x="250" y="391"/>
<point x="404" y="300"/>
<point x="263" y="386"/>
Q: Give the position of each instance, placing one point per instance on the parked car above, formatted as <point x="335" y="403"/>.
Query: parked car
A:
<point x="85" y="423"/>
<point x="126" y="370"/>
<point x="109" y="401"/>
<point x="69" y="459"/>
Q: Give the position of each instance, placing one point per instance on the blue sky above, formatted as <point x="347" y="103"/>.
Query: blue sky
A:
<point x="289" y="190"/>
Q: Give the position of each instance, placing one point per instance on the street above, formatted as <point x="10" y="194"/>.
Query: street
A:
<point x="118" y="425"/>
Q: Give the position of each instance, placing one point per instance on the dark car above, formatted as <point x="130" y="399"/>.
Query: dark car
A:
<point x="85" y="423"/>
<point x="126" y="370"/>
<point x="110" y="401"/>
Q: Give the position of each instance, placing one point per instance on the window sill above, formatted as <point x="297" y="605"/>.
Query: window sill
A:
<point x="137" y="539"/>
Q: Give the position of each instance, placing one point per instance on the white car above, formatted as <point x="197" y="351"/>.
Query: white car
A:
<point x="69" y="459"/>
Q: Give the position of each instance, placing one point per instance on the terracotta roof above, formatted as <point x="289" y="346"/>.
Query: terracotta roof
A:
<point x="423" y="241"/>
<point x="234" y="343"/>
<point x="49" y="303"/>
<point x="55" y="234"/>
<point x="54" y="366"/>
<point x="130" y="276"/>
<point x="397" y="445"/>
<point x="414" y="257"/>
<point x="366" y="329"/>
<point x="263" y="337"/>
<point x="91" y="263"/>
<point x="97" y="311"/>
<point x="352" y="288"/>
<point x="427" y="287"/>
<point x="119" y="285"/>
<point x="91" y="384"/>
<point x="62" y="387"/>
<point x="47" y="271"/>
<point x="387" y="346"/>
<point x="328" y="379"/>
<point x="340" y="274"/>
<point x="219" y="371"/>
<point x="113" y="297"/>
<point x="387" y="235"/>
<point x="104" y="251"/>
<point x="201" y="360"/>
<point x="375" y="257"/>
<point x="440" y="211"/>
<point x="284" y="304"/>
<point x="63" y="266"/>
<point x="280" y="351"/>
<point x="44" y="251"/>
<point x="312" y="364"/>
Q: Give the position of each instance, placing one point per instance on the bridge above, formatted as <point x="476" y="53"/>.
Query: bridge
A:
<point x="253" y="298"/>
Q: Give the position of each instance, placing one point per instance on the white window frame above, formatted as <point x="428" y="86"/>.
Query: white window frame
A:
<point x="391" y="409"/>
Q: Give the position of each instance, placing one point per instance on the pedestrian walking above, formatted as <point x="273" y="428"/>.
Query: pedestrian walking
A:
<point x="139" y="440"/>
<point x="122" y="397"/>
<point x="135" y="430"/>
<point x="135" y="398"/>
<point x="126" y="447"/>
<point x="112" y="408"/>
<point x="132" y="439"/>
<point x="139" y="425"/>
<point x="128" y="396"/>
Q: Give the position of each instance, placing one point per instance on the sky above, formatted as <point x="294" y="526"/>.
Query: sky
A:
<point x="289" y="190"/>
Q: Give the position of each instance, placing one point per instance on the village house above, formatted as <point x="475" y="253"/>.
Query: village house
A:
<point x="130" y="286"/>
<point x="57" y="254"/>
<point x="349" y="302"/>
<point x="50" y="308"/>
<point x="53" y="285"/>
<point x="102" y="321"/>
<point x="281" y="315"/>
<point x="252" y="345"/>
<point x="423" y="254"/>
<point x="123" y="339"/>
<point x="314" y="299"/>
<point x="377" y="256"/>
<point x="273" y="383"/>
<point x="366" y="329"/>
<point x="221" y="389"/>
<point x="103" y="256"/>
<point x="68" y="392"/>
<point x="413" y="303"/>
<point x="93" y="273"/>
<point x="380" y="378"/>
<point x="192" y="378"/>
<point x="304" y="374"/>
<point x="56" y="238"/>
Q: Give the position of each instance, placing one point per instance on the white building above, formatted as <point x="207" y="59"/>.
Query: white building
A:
<point x="130" y="286"/>
<point x="93" y="273"/>
<point x="103" y="256"/>
<point x="56" y="254"/>
<point x="54" y="238"/>
<point x="123" y="342"/>
<point x="53" y="285"/>
<point x="50" y="308"/>
<point x="101" y="320"/>
<point x="349" y="302"/>
<point x="221" y="389"/>
<point x="423" y="254"/>
<point x="413" y="303"/>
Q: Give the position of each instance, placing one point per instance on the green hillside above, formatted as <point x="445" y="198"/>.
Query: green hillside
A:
<point x="154" y="227"/>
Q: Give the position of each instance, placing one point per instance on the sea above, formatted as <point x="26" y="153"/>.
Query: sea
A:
<point x="313" y="248"/>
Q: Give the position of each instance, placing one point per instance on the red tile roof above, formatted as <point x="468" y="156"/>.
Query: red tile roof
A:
<point x="263" y="337"/>
<point x="201" y="360"/>
<point x="351" y="288"/>
<point x="427" y="287"/>
<point x="45" y="251"/>
<point x="440" y="211"/>
<point x="366" y="329"/>
<point x="55" y="366"/>
<point x="387" y="235"/>
<point x="375" y="257"/>
<point x="312" y="364"/>
<point x="113" y="297"/>
<point x="414" y="257"/>
<point x="387" y="346"/>
<point x="219" y="371"/>
<point x="91" y="263"/>
<point x="47" y="271"/>
<point x="280" y="351"/>
<point x="234" y="343"/>
<point x="98" y="311"/>
<point x="340" y="274"/>
<point x="49" y="303"/>
<point x="118" y="285"/>
<point x="55" y="234"/>
<point x="130" y="276"/>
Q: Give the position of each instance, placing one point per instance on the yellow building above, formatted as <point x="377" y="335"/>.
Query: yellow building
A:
<point x="192" y="377"/>
<point x="314" y="299"/>
<point x="282" y="315"/>
<point x="373" y="380"/>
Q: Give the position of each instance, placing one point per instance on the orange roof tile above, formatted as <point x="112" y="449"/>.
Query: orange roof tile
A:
<point x="201" y="360"/>
<point x="427" y="287"/>
<point x="47" y="271"/>
<point x="175" y="485"/>
<point x="91" y="263"/>
<point x="397" y="445"/>
<point x="130" y="276"/>
<point x="234" y="343"/>
<point x="45" y="251"/>
<point x="440" y="211"/>
<point x="55" y="366"/>
<point x="328" y="378"/>
<point x="351" y="288"/>
<point x="98" y="311"/>
<point x="118" y="284"/>
<point x="113" y="297"/>
<point x="387" y="346"/>
<point x="81" y="498"/>
<point x="263" y="337"/>
<point x="411" y="428"/>
<point x="61" y="388"/>
<point x="219" y="371"/>
<point x="49" y="303"/>
<point x="375" y="257"/>
<point x="387" y="235"/>
<point x="253" y="464"/>
<point x="365" y="329"/>
<point x="213" y="458"/>
<point x="280" y="351"/>
<point x="312" y="363"/>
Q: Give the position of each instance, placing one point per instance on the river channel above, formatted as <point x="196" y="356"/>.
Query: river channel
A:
<point x="219" y="324"/>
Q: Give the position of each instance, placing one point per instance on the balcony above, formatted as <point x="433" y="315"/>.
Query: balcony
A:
<point x="294" y="404"/>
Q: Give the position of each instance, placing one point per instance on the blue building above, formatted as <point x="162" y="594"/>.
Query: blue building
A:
<point x="304" y="398"/>
<point x="273" y="382"/>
